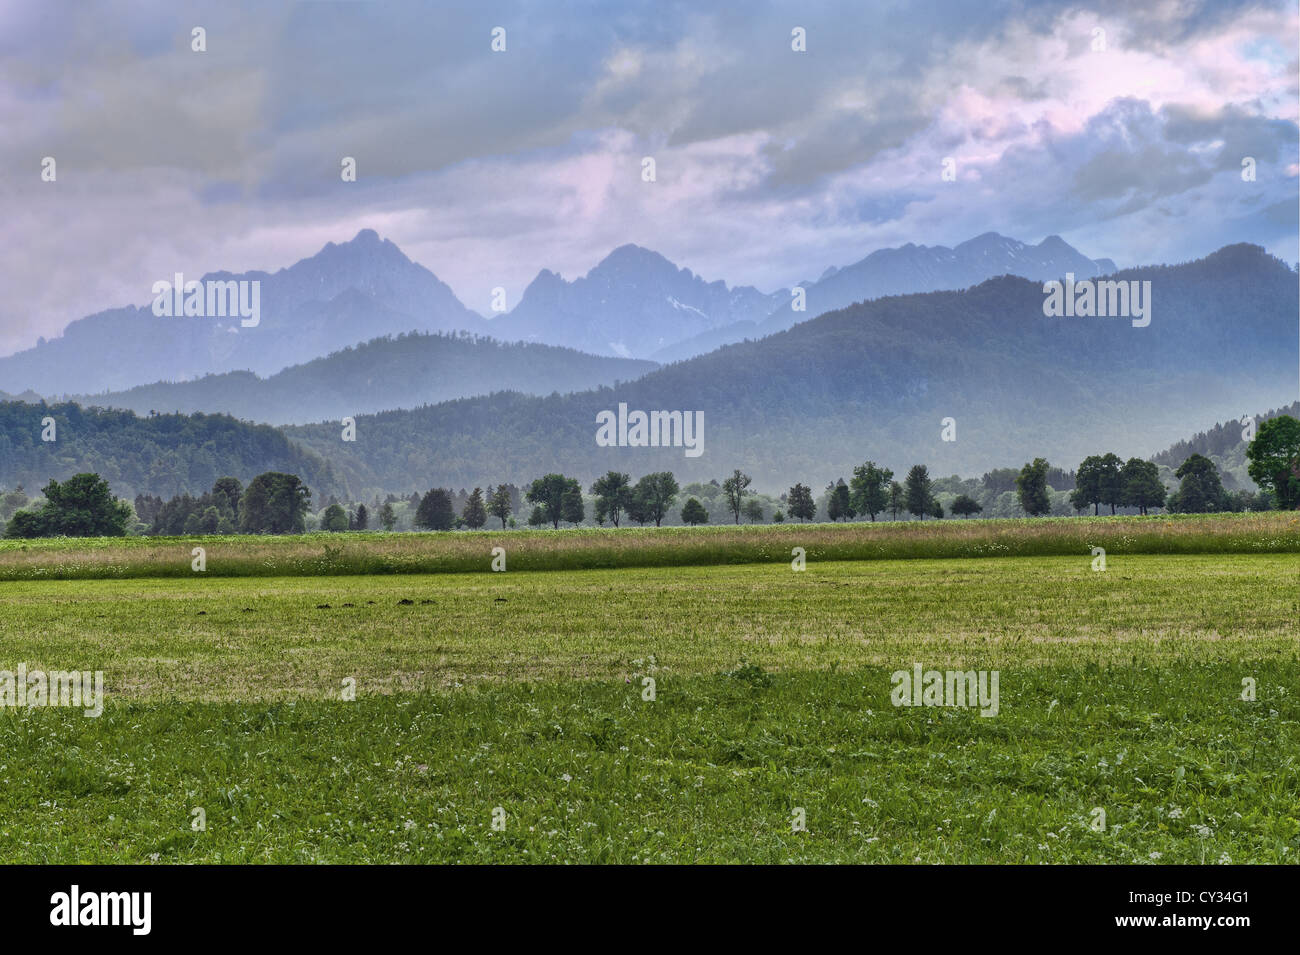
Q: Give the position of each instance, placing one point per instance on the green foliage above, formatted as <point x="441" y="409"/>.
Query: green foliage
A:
<point x="693" y="512"/>
<point x="897" y="499"/>
<point x="12" y="501"/>
<point x="165" y="454"/>
<point x="653" y="496"/>
<point x="572" y="509"/>
<point x="734" y="488"/>
<point x="1142" y="487"/>
<point x="435" y="512"/>
<point x="1224" y="444"/>
<point x="26" y="524"/>
<point x="799" y="501"/>
<point x="214" y="512"/>
<point x="226" y="492"/>
<point x="549" y="493"/>
<point x="500" y="503"/>
<point x="613" y="491"/>
<point x="1031" y="488"/>
<point x="965" y="505"/>
<point x="1201" y="490"/>
<point x="82" y="506"/>
<point x="1098" y="482"/>
<point x="918" y="492"/>
<point x="838" y="506"/>
<point x="475" y="512"/>
<point x="1274" y="458"/>
<point x="274" y="503"/>
<point x="335" y="519"/>
<point x="870" y="489"/>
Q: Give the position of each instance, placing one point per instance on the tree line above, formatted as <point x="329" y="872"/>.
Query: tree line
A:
<point x="279" y="503"/>
<point x="84" y="506"/>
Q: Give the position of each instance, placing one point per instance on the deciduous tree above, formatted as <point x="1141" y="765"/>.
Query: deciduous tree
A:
<point x="693" y="512"/>
<point x="1274" y="458"/>
<point x="734" y="489"/>
<point x="869" y="489"/>
<point x="800" y="503"/>
<point x="1031" y="488"/>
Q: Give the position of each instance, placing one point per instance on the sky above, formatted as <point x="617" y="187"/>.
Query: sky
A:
<point x="1120" y="126"/>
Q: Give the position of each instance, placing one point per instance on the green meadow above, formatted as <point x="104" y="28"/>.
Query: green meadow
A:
<point x="710" y="712"/>
<point x="628" y="547"/>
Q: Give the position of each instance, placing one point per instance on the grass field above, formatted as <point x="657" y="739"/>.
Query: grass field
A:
<point x="609" y="548"/>
<point x="524" y="692"/>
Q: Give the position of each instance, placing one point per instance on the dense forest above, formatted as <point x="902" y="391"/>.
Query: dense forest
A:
<point x="1223" y="444"/>
<point x="163" y="454"/>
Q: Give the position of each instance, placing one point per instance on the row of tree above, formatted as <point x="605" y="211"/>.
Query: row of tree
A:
<point x="1101" y="479"/>
<point x="84" y="506"/>
<point x="277" y="503"/>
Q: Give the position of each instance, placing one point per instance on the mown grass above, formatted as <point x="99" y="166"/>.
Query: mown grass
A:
<point x="1119" y="690"/>
<point x="711" y="770"/>
<point x="254" y="638"/>
<point x="377" y="553"/>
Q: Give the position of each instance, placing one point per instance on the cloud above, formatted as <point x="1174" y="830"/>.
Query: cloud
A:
<point x="488" y="167"/>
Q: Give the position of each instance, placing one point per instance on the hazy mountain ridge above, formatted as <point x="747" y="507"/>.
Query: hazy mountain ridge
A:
<point x="405" y="371"/>
<point x="344" y="294"/>
<point x="872" y="381"/>
<point x="876" y="379"/>
<point x="905" y="270"/>
<point x="632" y="303"/>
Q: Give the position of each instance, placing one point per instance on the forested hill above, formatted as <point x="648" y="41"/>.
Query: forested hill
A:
<point x="1225" y="445"/>
<point x="875" y="381"/>
<point x="391" y="372"/>
<point x="164" y="454"/>
<point x="1223" y="438"/>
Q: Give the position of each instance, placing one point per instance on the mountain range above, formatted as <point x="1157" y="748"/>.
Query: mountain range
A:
<point x="910" y="268"/>
<point x="875" y="377"/>
<point x="878" y="379"/>
<point x="889" y="379"/>
<point x="404" y="371"/>
<point x="343" y="295"/>
<point x="633" y="304"/>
